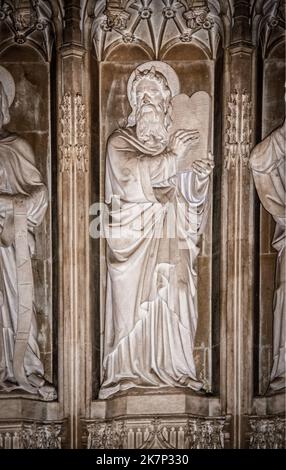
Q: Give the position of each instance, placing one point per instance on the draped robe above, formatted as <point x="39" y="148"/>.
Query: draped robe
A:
<point x="18" y="176"/>
<point x="268" y="163"/>
<point x="151" y="294"/>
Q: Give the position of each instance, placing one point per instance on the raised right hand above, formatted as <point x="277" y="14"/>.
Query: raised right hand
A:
<point x="182" y="141"/>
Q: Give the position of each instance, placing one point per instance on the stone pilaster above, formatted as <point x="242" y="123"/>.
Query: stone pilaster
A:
<point x="73" y="190"/>
<point x="238" y="218"/>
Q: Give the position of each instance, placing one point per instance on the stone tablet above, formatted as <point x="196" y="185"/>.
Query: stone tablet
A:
<point x="193" y="113"/>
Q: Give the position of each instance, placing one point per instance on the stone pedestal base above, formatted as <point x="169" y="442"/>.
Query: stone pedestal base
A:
<point x="38" y="428"/>
<point x="31" y="435"/>
<point x="175" y="420"/>
<point x="266" y="426"/>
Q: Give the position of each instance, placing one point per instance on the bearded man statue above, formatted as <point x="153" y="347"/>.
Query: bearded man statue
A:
<point x="23" y="204"/>
<point x="155" y="215"/>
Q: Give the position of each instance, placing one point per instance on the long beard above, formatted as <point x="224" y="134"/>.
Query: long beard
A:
<point x="150" y="126"/>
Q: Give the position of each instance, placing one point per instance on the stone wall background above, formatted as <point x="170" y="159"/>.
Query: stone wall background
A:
<point x="242" y="48"/>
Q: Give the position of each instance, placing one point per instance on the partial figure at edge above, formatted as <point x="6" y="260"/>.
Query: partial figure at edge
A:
<point x="268" y="165"/>
<point x="23" y="204"/>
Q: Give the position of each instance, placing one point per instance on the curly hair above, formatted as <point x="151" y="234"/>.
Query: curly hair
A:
<point x="152" y="75"/>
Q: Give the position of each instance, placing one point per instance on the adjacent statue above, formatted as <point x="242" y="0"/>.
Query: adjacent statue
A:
<point x="268" y="164"/>
<point x="23" y="204"/>
<point x="158" y="198"/>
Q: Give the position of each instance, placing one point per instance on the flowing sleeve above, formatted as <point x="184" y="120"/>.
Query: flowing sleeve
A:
<point x="161" y="167"/>
<point x="30" y="182"/>
<point x="193" y="191"/>
<point x="37" y="204"/>
<point x="131" y="174"/>
<point x="267" y="162"/>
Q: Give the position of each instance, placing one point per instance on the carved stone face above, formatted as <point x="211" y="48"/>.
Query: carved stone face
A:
<point x="149" y="94"/>
<point x="151" y="112"/>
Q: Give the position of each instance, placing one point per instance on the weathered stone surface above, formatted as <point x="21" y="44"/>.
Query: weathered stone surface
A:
<point x="186" y="432"/>
<point x="31" y="435"/>
<point x="86" y="52"/>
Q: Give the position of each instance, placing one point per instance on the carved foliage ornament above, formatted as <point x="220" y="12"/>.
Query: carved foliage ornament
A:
<point x="116" y="15"/>
<point x="196" y="13"/>
<point x="238" y="133"/>
<point x="22" y="17"/>
<point x="205" y="433"/>
<point x="267" y="433"/>
<point x="32" y="436"/>
<point x="197" y="16"/>
<point x="163" y="20"/>
<point x="157" y="433"/>
<point x="73" y="136"/>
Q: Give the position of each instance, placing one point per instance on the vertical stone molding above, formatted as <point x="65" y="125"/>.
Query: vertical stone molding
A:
<point x="73" y="188"/>
<point x="238" y="222"/>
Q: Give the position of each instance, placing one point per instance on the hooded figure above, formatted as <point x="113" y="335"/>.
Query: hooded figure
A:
<point x="23" y="204"/>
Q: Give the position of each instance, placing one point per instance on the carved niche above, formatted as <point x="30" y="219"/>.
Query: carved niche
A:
<point x="26" y="41"/>
<point x="155" y="28"/>
<point x="268" y="23"/>
<point x="157" y="24"/>
<point x="28" y="22"/>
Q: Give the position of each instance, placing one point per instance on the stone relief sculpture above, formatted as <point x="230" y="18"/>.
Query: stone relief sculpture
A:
<point x="23" y="203"/>
<point x="268" y="166"/>
<point x="157" y="190"/>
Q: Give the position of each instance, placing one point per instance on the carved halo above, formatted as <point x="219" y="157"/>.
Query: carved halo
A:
<point x="8" y="84"/>
<point x="165" y="69"/>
